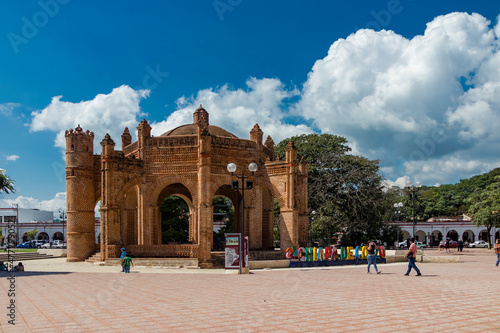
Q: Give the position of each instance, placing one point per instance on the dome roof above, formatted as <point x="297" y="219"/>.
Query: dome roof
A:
<point x="192" y="129"/>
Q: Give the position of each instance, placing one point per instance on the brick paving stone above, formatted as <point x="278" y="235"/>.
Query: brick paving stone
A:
<point x="338" y="299"/>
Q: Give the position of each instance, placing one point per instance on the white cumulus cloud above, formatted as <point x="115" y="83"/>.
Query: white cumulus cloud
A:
<point x="419" y="105"/>
<point x="11" y="157"/>
<point x="54" y="204"/>
<point x="106" y="113"/>
<point x="239" y="110"/>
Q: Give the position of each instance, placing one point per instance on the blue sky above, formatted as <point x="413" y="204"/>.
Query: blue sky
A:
<point x="412" y="83"/>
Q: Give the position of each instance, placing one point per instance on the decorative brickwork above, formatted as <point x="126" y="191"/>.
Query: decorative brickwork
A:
<point x="190" y="162"/>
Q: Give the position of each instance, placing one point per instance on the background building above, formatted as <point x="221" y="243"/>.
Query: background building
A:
<point x="454" y="228"/>
<point x="27" y="219"/>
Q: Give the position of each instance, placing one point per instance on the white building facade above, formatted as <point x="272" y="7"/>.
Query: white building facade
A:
<point x="433" y="230"/>
<point x="18" y="221"/>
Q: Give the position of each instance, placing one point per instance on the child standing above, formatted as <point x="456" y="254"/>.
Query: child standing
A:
<point x="127" y="261"/>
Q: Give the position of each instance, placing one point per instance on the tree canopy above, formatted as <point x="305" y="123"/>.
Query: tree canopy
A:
<point x="485" y="206"/>
<point x="345" y="192"/>
<point x="6" y="183"/>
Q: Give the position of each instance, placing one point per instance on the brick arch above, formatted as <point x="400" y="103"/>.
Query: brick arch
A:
<point x="160" y="183"/>
<point x="127" y="187"/>
<point x="274" y="190"/>
<point x="217" y="182"/>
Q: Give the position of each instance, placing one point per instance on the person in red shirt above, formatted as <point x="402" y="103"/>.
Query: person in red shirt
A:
<point x="412" y="256"/>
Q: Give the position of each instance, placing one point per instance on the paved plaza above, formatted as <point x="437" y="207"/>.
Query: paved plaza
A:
<point x="55" y="296"/>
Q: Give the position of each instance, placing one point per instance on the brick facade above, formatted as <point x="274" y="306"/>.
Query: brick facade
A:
<point x="190" y="162"/>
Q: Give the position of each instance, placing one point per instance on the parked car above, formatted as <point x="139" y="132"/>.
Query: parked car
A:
<point x="57" y="244"/>
<point x="402" y="245"/>
<point x="420" y="245"/>
<point x="479" y="243"/>
<point x="25" y="245"/>
<point x="38" y="243"/>
<point x="453" y="244"/>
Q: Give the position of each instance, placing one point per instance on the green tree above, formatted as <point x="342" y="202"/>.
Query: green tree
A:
<point x="345" y="192"/>
<point x="6" y="183"/>
<point x="32" y="234"/>
<point x="175" y="220"/>
<point x="485" y="206"/>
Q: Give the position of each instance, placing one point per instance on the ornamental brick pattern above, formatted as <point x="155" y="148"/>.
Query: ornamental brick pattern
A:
<point x="190" y="162"/>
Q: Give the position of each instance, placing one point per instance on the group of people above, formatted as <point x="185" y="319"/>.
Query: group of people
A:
<point x="411" y="255"/>
<point x="445" y="245"/>
<point x="371" y="258"/>
<point x="4" y="267"/>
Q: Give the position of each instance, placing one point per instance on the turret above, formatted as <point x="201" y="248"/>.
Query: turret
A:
<point x="108" y="147"/>
<point x="256" y="135"/>
<point x="80" y="194"/>
<point x="269" y="144"/>
<point x="126" y="138"/>
<point x="200" y="115"/>
<point x="291" y="153"/>
<point x="143" y="132"/>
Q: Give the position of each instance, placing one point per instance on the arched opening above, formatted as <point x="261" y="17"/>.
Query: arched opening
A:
<point x="43" y="236"/>
<point x="234" y="197"/>
<point x="483" y="235"/>
<point x="130" y="216"/>
<point x="406" y="235"/>
<point x="420" y="236"/>
<point x="270" y="220"/>
<point x="276" y="225"/>
<point x="173" y="215"/>
<point x="223" y="220"/>
<point x="468" y="236"/>
<point x="97" y="219"/>
<point x="174" y="220"/>
<point x="58" y="236"/>
<point x="436" y="237"/>
<point x="452" y="235"/>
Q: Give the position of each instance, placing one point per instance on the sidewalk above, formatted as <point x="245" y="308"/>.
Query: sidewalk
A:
<point x="55" y="296"/>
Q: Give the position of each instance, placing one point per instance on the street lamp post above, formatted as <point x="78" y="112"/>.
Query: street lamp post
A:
<point x="397" y="207"/>
<point x="248" y="185"/>
<point x="62" y="216"/>
<point x="412" y="196"/>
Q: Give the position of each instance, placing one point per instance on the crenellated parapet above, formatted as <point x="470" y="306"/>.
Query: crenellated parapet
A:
<point x="189" y="161"/>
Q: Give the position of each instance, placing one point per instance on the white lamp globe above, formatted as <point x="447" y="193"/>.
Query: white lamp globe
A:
<point x="231" y="167"/>
<point x="252" y="167"/>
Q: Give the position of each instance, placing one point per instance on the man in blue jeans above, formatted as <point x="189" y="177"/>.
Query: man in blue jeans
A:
<point x="412" y="256"/>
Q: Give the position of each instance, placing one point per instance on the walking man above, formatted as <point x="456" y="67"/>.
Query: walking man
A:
<point x="412" y="256"/>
